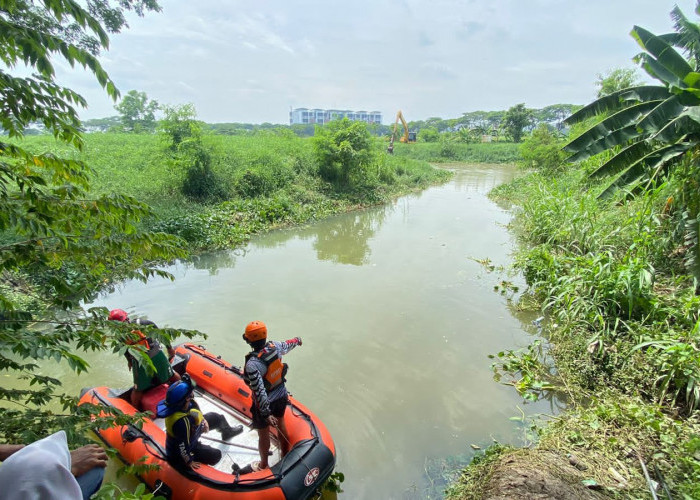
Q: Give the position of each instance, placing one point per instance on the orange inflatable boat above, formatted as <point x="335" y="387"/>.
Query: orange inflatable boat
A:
<point x="221" y="388"/>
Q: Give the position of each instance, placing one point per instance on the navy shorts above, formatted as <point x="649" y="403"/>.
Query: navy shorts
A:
<point x="277" y="408"/>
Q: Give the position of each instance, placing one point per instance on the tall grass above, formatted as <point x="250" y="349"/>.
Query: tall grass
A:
<point x="446" y="151"/>
<point x="267" y="179"/>
<point x="622" y="316"/>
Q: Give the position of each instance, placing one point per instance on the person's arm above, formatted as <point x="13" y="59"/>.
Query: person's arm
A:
<point x="86" y="458"/>
<point x="287" y="345"/>
<point x="255" y="380"/>
<point x="9" y="449"/>
<point x="182" y="433"/>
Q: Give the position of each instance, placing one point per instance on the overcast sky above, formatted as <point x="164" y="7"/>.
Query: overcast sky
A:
<point x="250" y="61"/>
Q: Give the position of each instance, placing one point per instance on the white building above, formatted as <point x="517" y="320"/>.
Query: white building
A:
<point x="321" y="116"/>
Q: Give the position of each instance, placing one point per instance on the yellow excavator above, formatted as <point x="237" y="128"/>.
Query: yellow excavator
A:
<point x="407" y="136"/>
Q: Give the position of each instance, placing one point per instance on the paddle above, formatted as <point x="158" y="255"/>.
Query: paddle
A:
<point x="232" y="444"/>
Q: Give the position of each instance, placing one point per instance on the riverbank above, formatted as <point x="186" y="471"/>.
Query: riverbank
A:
<point x="621" y="324"/>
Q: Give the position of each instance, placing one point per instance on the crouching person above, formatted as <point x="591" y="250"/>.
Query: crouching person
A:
<point x="184" y="425"/>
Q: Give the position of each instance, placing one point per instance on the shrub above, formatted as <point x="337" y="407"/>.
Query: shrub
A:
<point x="344" y="151"/>
<point x="542" y="150"/>
<point x="200" y="183"/>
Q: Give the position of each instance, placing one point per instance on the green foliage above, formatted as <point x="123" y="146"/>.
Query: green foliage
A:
<point x="179" y="124"/>
<point x="334" y="483"/>
<point x="616" y="80"/>
<point x="650" y="131"/>
<point x="201" y="182"/>
<point x="189" y="153"/>
<point x="650" y="127"/>
<point x="515" y="120"/>
<point x="542" y="151"/>
<point x="284" y="164"/>
<point x="621" y="318"/>
<point x="137" y="112"/>
<point x="267" y="174"/>
<point x="536" y="373"/>
<point x="61" y="242"/>
<point x="343" y="151"/>
<point x="497" y="152"/>
<point x="474" y="478"/>
<point x="111" y="491"/>
<point x="429" y="134"/>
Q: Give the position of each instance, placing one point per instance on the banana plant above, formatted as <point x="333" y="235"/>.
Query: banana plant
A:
<point x="650" y="127"/>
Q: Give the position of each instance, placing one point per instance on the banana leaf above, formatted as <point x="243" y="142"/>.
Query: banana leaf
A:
<point x="686" y="124"/>
<point x="656" y="162"/>
<point x="687" y="34"/>
<point x="621" y="119"/>
<point x="627" y="156"/>
<point x="657" y="70"/>
<point x="616" y="138"/>
<point x="664" y="53"/>
<point x="617" y="100"/>
<point x="660" y="116"/>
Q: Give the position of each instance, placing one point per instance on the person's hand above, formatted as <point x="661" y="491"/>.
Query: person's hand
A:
<point x="87" y="457"/>
<point x="205" y="425"/>
<point x="272" y="420"/>
<point x="194" y="465"/>
<point x="298" y="339"/>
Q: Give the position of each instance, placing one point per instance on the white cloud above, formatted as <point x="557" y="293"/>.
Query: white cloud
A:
<point x="250" y="61"/>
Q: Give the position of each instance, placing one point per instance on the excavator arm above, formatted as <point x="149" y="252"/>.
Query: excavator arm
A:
<point x="407" y="136"/>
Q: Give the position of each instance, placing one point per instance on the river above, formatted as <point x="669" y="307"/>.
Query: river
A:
<point x="397" y="320"/>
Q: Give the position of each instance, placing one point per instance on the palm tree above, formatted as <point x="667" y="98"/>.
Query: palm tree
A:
<point x="649" y="128"/>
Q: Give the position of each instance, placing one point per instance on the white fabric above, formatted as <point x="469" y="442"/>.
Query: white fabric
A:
<point x="40" y="471"/>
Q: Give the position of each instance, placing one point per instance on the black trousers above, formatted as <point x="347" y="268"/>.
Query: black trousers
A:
<point x="202" y="452"/>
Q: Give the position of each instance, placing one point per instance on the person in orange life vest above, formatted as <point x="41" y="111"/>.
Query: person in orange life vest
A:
<point x="143" y="380"/>
<point x="264" y="373"/>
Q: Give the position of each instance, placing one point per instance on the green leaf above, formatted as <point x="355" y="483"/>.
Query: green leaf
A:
<point x="617" y="100"/>
<point x="664" y="53"/>
<point x="620" y="120"/>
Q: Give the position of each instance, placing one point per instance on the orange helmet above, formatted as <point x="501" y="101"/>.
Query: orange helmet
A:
<point x="255" y="330"/>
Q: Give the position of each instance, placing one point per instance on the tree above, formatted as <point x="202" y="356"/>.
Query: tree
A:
<point x="515" y="120"/>
<point x="185" y="135"/>
<point x="649" y="130"/>
<point x="138" y="114"/>
<point x="554" y="115"/>
<point x="343" y="150"/>
<point x="542" y="150"/>
<point x="59" y="242"/>
<point x="617" y="79"/>
<point x="179" y="124"/>
<point x="429" y="134"/>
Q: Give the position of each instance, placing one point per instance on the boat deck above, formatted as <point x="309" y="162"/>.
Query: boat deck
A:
<point x="241" y="449"/>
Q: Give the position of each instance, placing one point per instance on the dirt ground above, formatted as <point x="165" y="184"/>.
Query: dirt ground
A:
<point x="537" y="476"/>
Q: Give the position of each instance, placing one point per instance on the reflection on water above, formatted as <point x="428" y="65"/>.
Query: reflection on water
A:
<point x="346" y="241"/>
<point x="397" y="319"/>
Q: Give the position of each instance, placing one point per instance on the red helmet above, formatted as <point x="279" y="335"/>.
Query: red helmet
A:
<point x="118" y="315"/>
<point x="255" y="330"/>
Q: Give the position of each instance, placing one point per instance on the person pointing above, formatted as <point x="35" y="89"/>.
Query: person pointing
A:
<point x="264" y="373"/>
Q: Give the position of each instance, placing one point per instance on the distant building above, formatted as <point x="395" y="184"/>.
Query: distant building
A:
<point x="321" y="116"/>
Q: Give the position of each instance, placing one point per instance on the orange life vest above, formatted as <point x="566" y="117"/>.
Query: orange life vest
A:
<point x="142" y="340"/>
<point x="275" y="368"/>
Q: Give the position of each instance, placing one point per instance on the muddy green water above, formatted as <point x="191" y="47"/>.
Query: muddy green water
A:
<point x="397" y="323"/>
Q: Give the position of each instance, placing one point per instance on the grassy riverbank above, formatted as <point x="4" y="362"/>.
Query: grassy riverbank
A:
<point x="266" y="180"/>
<point x="446" y="151"/>
<point x="621" y="323"/>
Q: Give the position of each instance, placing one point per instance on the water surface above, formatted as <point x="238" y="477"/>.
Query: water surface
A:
<point x="397" y="321"/>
